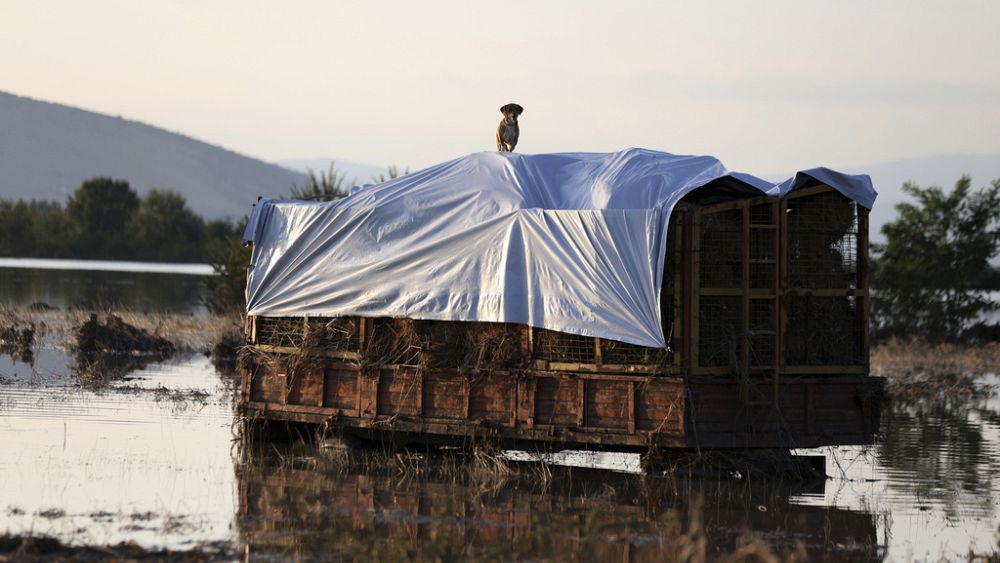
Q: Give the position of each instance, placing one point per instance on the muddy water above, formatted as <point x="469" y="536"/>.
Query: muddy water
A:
<point x="95" y="283"/>
<point x="153" y="457"/>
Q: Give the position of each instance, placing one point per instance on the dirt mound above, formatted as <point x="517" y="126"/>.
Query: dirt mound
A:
<point x="117" y="336"/>
<point x="18" y="342"/>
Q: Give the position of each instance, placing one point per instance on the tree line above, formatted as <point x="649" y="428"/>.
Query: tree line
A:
<point x="106" y="219"/>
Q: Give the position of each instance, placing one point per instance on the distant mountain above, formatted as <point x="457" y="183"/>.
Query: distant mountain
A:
<point x="47" y="150"/>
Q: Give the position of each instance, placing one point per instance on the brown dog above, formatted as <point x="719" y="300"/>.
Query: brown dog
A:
<point x="508" y="130"/>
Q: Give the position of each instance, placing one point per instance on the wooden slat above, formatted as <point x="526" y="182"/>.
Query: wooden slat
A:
<point x="631" y="407"/>
<point x="864" y="302"/>
<point x="694" y="283"/>
<point x="745" y="302"/>
<point x="291" y="350"/>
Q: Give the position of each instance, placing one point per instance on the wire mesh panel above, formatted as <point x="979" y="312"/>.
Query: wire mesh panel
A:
<point x="557" y="346"/>
<point x="721" y="264"/>
<point x="822" y="241"/>
<point x="615" y="352"/>
<point x="334" y="333"/>
<point x="470" y="345"/>
<point x="279" y="331"/>
<point x="720" y="326"/>
<point x="823" y="331"/>
<point x="762" y="332"/>
<point x="763" y="213"/>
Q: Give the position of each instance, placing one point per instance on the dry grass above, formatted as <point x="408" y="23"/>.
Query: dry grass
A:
<point x="191" y="333"/>
<point x="915" y="370"/>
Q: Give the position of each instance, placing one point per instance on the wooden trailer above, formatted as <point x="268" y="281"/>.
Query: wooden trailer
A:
<point x="765" y="303"/>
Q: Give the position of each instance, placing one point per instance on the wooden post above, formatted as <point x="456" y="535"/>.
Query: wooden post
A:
<point x="863" y="295"/>
<point x="745" y="289"/>
<point x="694" y="282"/>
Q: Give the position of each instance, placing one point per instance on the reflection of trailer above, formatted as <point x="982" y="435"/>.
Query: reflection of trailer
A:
<point x="285" y="512"/>
<point x="764" y="304"/>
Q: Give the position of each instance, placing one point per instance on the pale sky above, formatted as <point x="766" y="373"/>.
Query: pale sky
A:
<point x="765" y="86"/>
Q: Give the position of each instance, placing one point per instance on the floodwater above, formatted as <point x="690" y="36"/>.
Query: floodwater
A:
<point x="155" y="457"/>
<point x="147" y="287"/>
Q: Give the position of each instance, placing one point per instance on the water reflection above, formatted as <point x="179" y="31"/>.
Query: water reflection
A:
<point x="323" y="510"/>
<point x="139" y="291"/>
<point x="151" y="457"/>
<point x="940" y="453"/>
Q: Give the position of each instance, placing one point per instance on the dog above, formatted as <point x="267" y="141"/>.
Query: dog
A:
<point x="508" y="131"/>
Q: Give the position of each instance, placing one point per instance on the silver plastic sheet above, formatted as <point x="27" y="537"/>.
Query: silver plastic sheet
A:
<point x="573" y="242"/>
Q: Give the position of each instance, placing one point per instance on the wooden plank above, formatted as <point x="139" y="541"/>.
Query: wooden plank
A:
<point x="291" y="350"/>
<point x="444" y="395"/>
<point x="526" y="402"/>
<point x="694" y="297"/>
<point x="490" y="399"/>
<point x="306" y="389"/>
<point x="824" y="370"/>
<point x="369" y="393"/>
<point x="780" y="311"/>
<point x="340" y="389"/>
<point x="581" y="407"/>
<point x="466" y="398"/>
<point x="745" y="287"/>
<point x="864" y="303"/>
<point x="630" y="405"/>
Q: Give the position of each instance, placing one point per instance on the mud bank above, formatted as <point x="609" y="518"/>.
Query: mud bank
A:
<point x="41" y="548"/>
<point x="917" y="371"/>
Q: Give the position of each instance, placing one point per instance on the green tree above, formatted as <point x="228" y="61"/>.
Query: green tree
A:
<point x="97" y="213"/>
<point x="165" y="229"/>
<point x="224" y="250"/>
<point x="931" y="276"/>
<point x="33" y="229"/>
<point x="328" y="186"/>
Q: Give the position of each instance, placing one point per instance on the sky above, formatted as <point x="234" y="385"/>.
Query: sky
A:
<point x="767" y="87"/>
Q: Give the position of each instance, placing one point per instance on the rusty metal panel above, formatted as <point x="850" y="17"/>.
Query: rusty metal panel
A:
<point x="398" y="392"/>
<point x="306" y="389"/>
<point x="557" y="401"/>
<point x="340" y="389"/>
<point x="268" y="386"/>
<point x="493" y="398"/>
<point x="606" y="404"/>
<point x="444" y="395"/>
<point x="659" y="406"/>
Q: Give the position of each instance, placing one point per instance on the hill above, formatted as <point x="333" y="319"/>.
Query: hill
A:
<point x="354" y="172"/>
<point x="47" y="150"/>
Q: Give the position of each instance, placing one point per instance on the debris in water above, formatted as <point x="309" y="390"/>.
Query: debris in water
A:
<point x="18" y="342"/>
<point x="117" y="336"/>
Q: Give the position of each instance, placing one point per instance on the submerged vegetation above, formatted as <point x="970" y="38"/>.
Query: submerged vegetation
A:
<point x="944" y="372"/>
